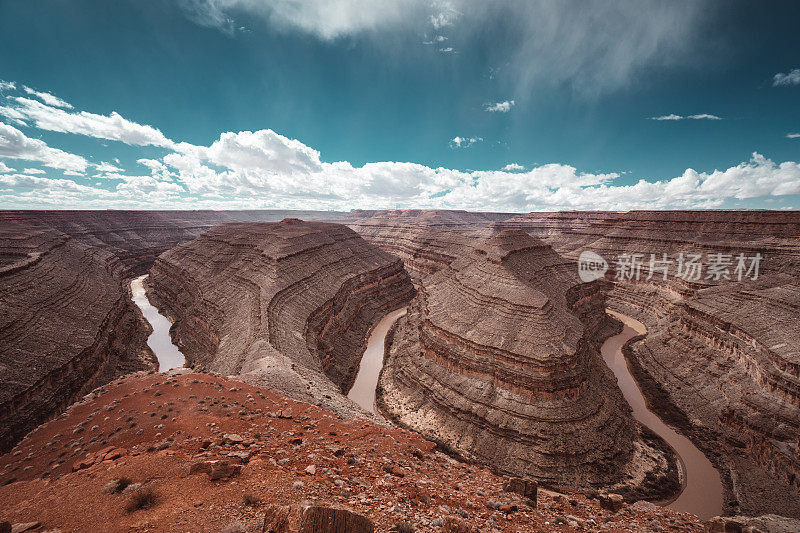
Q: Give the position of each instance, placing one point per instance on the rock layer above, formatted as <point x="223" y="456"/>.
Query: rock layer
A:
<point x="497" y="360"/>
<point x="288" y="304"/>
<point x="138" y="237"/>
<point x="66" y="325"/>
<point x="721" y="359"/>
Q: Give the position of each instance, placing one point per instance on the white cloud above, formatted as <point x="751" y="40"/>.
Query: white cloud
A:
<point x="107" y="167"/>
<point x="264" y="169"/>
<point x="790" y="78"/>
<point x="701" y="116"/>
<point x="33" y="171"/>
<point x="500" y="107"/>
<point x="448" y="50"/>
<point x="5" y="168"/>
<point x="112" y="127"/>
<point x="250" y="175"/>
<point x="325" y="19"/>
<point x="602" y="50"/>
<point x="16" y="145"/>
<point x="139" y="186"/>
<point x="48" y="98"/>
<point x="464" y="142"/>
<point x="668" y="117"/>
<point x="704" y="116"/>
<point x="158" y="169"/>
<point x="7" y="86"/>
<point x="793" y="135"/>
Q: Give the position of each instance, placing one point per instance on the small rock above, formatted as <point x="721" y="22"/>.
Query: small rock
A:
<point x="232" y="438"/>
<point x="24" y="526"/>
<point x="611" y="502"/>
<point x="508" y="508"/>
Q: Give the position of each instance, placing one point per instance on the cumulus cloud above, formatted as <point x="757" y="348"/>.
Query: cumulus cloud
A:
<point x="16" y="145"/>
<point x="264" y="169"/>
<point x="500" y="107"/>
<point x="701" y="116"/>
<point x="790" y="78"/>
<point x="112" y="127"/>
<point x="7" y="86"/>
<point x="304" y="179"/>
<point x="158" y="169"/>
<point x="33" y="171"/>
<point x="48" y="98"/>
<point x="107" y="167"/>
<point x="5" y="168"/>
<point x="464" y="142"/>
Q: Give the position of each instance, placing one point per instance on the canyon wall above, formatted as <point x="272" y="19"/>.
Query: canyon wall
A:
<point x="288" y="305"/>
<point x="138" y="237"/>
<point x="722" y="357"/>
<point x="498" y="361"/>
<point x="67" y="324"/>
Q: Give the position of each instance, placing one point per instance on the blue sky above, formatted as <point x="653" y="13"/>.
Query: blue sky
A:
<point x="503" y="105"/>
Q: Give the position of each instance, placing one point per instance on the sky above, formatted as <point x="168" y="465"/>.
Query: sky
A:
<point x="504" y="105"/>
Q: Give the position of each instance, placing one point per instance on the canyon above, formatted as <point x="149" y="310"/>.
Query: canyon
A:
<point x="719" y="361"/>
<point x="285" y="305"/>
<point x="497" y="361"/>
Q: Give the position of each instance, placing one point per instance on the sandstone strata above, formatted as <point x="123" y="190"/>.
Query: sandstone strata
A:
<point x="138" y="237"/>
<point x="66" y="325"/>
<point x="497" y="360"/>
<point x="287" y="304"/>
<point x="721" y="359"/>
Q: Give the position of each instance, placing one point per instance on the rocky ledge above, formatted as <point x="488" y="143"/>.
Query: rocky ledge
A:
<point x="196" y="452"/>
<point x="497" y="360"/>
<point x="286" y="304"/>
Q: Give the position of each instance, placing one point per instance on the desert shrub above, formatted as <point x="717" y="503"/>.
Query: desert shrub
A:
<point x="403" y="527"/>
<point x="117" y="485"/>
<point x="141" y="499"/>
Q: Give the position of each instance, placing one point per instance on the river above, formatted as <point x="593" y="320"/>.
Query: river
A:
<point x="703" y="492"/>
<point x="363" y="390"/>
<point x="159" y="341"/>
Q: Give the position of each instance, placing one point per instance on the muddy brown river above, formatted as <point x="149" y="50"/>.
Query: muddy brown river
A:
<point x="159" y="341"/>
<point x="363" y="391"/>
<point x="702" y="492"/>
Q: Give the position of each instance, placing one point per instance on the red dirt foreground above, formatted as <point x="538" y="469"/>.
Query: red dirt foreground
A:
<point x="197" y="452"/>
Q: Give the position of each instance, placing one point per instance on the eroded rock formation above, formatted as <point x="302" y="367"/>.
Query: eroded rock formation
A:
<point x="138" y="237"/>
<point x="286" y="304"/>
<point x="722" y="358"/>
<point x="66" y="325"/>
<point x="497" y="360"/>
